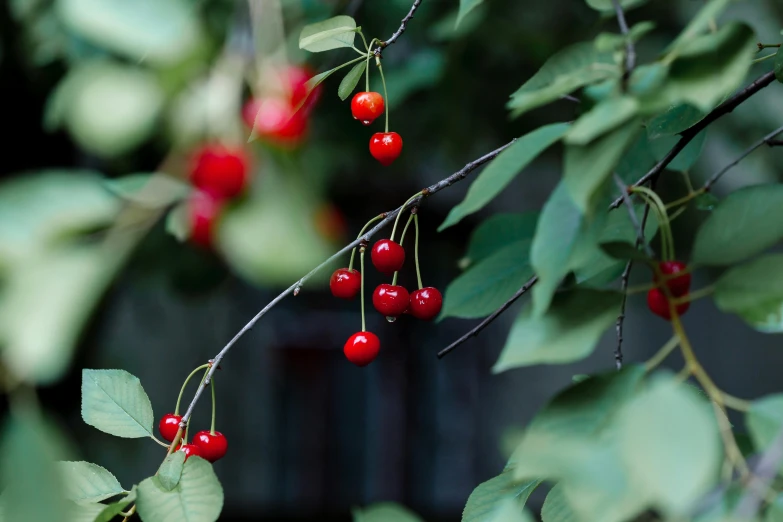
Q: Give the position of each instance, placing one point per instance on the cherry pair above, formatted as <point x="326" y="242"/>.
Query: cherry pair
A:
<point x="278" y="118"/>
<point x="679" y="286"/>
<point x="394" y="300"/>
<point x="208" y="445"/>
<point x="384" y="146"/>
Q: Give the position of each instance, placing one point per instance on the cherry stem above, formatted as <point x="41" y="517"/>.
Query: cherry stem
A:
<point x="212" y="387"/>
<point x="367" y="66"/>
<point x="361" y="276"/>
<point x="654" y="201"/>
<point x="402" y="239"/>
<point x="385" y="93"/>
<point x="182" y="390"/>
<point x="416" y="250"/>
<point x="373" y="220"/>
<point x="402" y="209"/>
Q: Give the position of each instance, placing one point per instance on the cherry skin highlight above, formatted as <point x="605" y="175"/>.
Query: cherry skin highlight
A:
<point x="367" y="107"/>
<point x="658" y="304"/>
<point x="203" y="213"/>
<point x="169" y="426"/>
<point x="387" y="256"/>
<point x="212" y="446"/>
<point x="220" y="171"/>
<point x="345" y="283"/>
<point x="385" y="147"/>
<point x="678" y="286"/>
<point x="362" y="348"/>
<point x="189" y="450"/>
<point x="390" y="300"/>
<point x="426" y="303"/>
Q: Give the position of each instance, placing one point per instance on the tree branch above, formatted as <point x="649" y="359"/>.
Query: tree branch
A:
<point x="483" y="324"/>
<point x="404" y="25"/>
<point x="294" y="288"/>
<point x="630" y="50"/>
<point x="761" y="478"/>
<point x="688" y="135"/>
<point x="765" y="140"/>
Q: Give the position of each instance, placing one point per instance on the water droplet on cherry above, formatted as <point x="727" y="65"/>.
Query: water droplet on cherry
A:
<point x="390" y="319"/>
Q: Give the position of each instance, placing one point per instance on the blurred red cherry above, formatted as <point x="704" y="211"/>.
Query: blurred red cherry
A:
<point x="275" y="120"/>
<point x="203" y="212"/>
<point x="220" y="171"/>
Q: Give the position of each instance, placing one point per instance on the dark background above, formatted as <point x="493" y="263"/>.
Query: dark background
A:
<point x="310" y="435"/>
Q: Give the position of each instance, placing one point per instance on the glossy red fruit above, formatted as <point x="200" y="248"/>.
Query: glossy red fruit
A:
<point x="387" y="256"/>
<point x="169" y="426"/>
<point x="385" y="147"/>
<point x="658" y="304"/>
<point x="295" y="79"/>
<point x="345" y="283"/>
<point x="426" y="303"/>
<point x="276" y="120"/>
<point x="189" y="450"/>
<point x="362" y="348"/>
<point x="212" y="446"/>
<point x="678" y="286"/>
<point x="220" y="171"/>
<point x="203" y="212"/>
<point x="390" y="300"/>
<point x="367" y="107"/>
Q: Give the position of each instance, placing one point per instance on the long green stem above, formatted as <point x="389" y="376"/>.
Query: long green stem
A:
<point x="361" y="232"/>
<point x="385" y="93"/>
<point x="664" y="352"/>
<point x="361" y="261"/>
<point x="182" y="390"/>
<point x="212" y="386"/>
<point x="402" y="240"/>
<point x="367" y="65"/>
<point x="402" y="209"/>
<point x="416" y="251"/>
<point x="659" y="208"/>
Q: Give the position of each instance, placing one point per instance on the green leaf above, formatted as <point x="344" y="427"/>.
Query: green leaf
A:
<point x="778" y="65"/>
<point x="490" y="495"/>
<point x="574" y="67"/>
<point x="76" y="512"/>
<point x="606" y="5"/>
<point x="500" y="171"/>
<point x="660" y="428"/>
<point x="764" y="420"/>
<point x="775" y="510"/>
<point x="699" y="24"/>
<point x="33" y="488"/>
<point x="754" y="291"/>
<point x="334" y="33"/>
<point x="197" y="498"/>
<point x="556" y="508"/>
<point x="385" y="512"/>
<point x="112" y="510"/>
<point x="509" y="511"/>
<point x="604" y="117"/>
<point x="683" y="162"/>
<point x="497" y="232"/>
<point x="350" y="80"/>
<point x="465" y="7"/>
<point x="706" y="201"/>
<point x="613" y="41"/>
<point x="567" y="332"/>
<point x="636" y="162"/>
<point x="587" y="167"/>
<point x="675" y="120"/>
<point x="177" y="222"/>
<point x="149" y="190"/>
<point x="480" y="290"/>
<point x="624" y="250"/>
<point x="707" y="69"/>
<point x="747" y="222"/>
<point x="87" y="482"/>
<point x="143" y="30"/>
<point x="171" y="470"/>
<point x="114" y="402"/>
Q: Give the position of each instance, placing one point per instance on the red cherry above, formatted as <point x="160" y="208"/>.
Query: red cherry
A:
<point x="345" y="283"/>
<point x="275" y="120"/>
<point x="169" y="426"/>
<point x="390" y="300"/>
<point x="367" y="106"/>
<point x="659" y="305"/>
<point x="296" y="77"/>
<point x="678" y="286"/>
<point x="220" y="171"/>
<point x="385" y="147"/>
<point x="212" y="446"/>
<point x="362" y="348"/>
<point x="387" y="256"/>
<point x="426" y="303"/>
<point x="189" y="450"/>
<point x="203" y="212"/>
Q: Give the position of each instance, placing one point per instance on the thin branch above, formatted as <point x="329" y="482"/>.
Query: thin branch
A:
<point x="640" y="239"/>
<point x="570" y="98"/>
<point x="483" y="324"/>
<point x="296" y="287"/>
<point x="688" y="135"/>
<point x="761" y="478"/>
<point x="630" y="50"/>
<point x="775" y="143"/>
<point x="765" y="140"/>
<point x="404" y="25"/>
